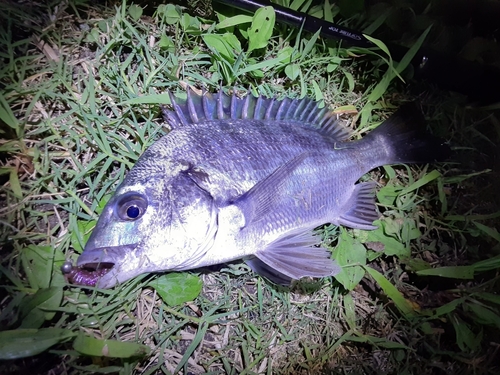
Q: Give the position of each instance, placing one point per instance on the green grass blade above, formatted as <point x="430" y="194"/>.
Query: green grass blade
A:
<point x="395" y="295"/>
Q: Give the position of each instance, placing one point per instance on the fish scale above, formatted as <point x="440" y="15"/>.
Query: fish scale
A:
<point x="246" y="178"/>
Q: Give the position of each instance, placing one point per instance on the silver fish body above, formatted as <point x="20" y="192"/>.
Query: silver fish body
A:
<point x="245" y="178"/>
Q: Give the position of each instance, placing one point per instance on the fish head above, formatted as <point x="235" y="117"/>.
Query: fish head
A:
<point x="148" y="226"/>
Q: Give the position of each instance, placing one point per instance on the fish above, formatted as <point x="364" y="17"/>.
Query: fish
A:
<point x="246" y="178"/>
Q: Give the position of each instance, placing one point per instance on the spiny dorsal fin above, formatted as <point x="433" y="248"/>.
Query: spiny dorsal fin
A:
<point x="198" y="108"/>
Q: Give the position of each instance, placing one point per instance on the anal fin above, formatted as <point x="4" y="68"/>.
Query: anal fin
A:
<point x="361" y="210"/>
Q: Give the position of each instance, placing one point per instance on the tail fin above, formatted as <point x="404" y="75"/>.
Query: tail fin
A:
<point x="405" y="139"/>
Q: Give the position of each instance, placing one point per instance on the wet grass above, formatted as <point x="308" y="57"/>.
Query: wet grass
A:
<point x="80" y="101"/>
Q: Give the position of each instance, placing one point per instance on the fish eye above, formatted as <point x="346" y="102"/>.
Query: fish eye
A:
<point x="133" y="212"/>
<point x="131" y="206"/>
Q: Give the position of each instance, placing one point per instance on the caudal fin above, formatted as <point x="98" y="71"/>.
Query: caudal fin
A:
<point x="405" y="139"/>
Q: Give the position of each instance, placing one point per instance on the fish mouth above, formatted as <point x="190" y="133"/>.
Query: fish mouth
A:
<point x="97" y="267"/>
<point x="88" y="274"/>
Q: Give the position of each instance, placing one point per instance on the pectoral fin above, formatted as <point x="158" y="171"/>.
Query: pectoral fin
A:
<point x="268" y="272"/>
<point x="265" y="196"/>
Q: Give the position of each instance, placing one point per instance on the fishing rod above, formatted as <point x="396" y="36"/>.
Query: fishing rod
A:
<point x="479" y="82"/>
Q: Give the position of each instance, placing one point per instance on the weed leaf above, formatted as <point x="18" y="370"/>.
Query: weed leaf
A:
<point x="261" y="29"/>
<point x="109" y="348"/>
<point x="22" y="343"/>
<point x="177" y="288"/>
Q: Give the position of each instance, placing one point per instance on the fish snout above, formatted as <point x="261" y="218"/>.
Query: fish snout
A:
<point x="93" y="264"/>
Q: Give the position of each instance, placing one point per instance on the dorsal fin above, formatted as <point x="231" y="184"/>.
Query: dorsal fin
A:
<point x="198" y="108"/>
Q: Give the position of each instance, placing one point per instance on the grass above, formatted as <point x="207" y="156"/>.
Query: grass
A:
<point x="81" y="89"/>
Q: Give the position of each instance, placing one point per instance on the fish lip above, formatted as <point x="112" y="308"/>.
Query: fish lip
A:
<point x="89" y="274"/>
<point x="99" y="255"/>
<point x="95" y="267"/>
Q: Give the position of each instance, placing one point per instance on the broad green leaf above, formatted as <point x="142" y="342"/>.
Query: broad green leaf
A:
<point x="305" y="53"/>
<point x="33" y="320"/>
<point x="494" y="298"/>
<point x="466" y="339"/>
<point x="223" y="45"/>
<point x="492" y="232"/>
<point x="42" y="265"/>
<point x="52" y="303"/>
<point x="318" y="94"/>
<point x="426" y="328"/>
<point x="233" y="42"/>
<point x="410" y="231"/>
<point x="350" y="254"/>
<point x="389" y="245"/>
<point x="454" y="272"/>
<point x="285" y="55"/>
<point x="431" y="176"/>
<point x="392" y="226"/>
<point x="109" y="348"/>
<point x="12" y="146"/>
<point x="8" y="117"/>
<point x="327" y="9"/>
<point x="14" y="183"/>
<point x="460" y="178"/>
<point x="331" y="67"/>
<point x="379" y="44"/>
<point x="15" y="186"/>
<point x="190" y="24"/>
<point x="166" y="43"/>
<point x="292" y="71"/>
<point x="487" y="264"/>
<point x="261" y="65"/>
<point x="345" y="109"/>
<point x="104" y="25"/>
<point x="177" y="288"/>
<point x="484" y="315"/>
<point x="168" y="13"/>
<point x="37" y="308"/>
<point x="102" y="203"/>
<point x="296" y="4"/>
<point x="233" y="21"/>
<point x="80" y="237"/>
<point x="92" y="36"/>
<point x="135" y="12"/>
<point x="350" y="311"/>
<point x="393" y="293"/>
<point x="261" y="29"/>
<point x="38" y="264"/>
<point x="447" y="308"/>
<point x="22" y="343"/>
<point x="350" y="80"/>
<point x="390" y="172"/>
<point x="442" y="196"/>
<point x="256" y="73"/>
<point x="417" y="264"/>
